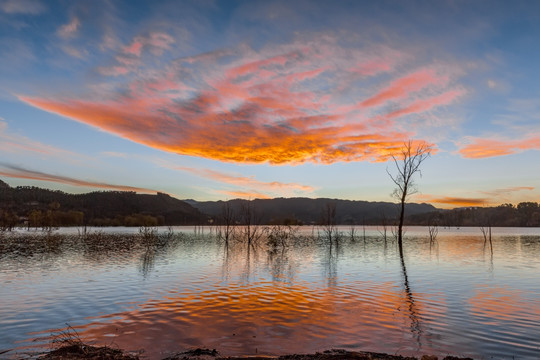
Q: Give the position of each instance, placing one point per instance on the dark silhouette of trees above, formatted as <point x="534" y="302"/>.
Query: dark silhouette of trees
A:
<point x="407" y="163"/>
<point x="37" y="207"/>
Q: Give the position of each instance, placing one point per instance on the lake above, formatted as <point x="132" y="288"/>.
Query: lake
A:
<point x="184" y="288"/>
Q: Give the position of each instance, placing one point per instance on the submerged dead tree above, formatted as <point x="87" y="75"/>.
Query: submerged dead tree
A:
<point x="228" y="222"/>
<point x="407" y="163"/>
<point x="328" y="222"/>
<point x="250" y="222"/>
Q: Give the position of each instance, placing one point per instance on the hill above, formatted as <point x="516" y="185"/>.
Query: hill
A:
<point x="48" y="207"/>
<point x="310" y="211"/>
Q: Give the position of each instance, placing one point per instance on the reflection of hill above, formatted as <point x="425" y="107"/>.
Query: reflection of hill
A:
<point x="308" y="211"/>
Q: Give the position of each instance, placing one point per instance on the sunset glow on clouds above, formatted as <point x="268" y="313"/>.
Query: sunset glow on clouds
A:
<point x="270" y="98"/>
<point x="21" y="173"/>
<point x="275" y="105"/>
<point x="484" y="148"/>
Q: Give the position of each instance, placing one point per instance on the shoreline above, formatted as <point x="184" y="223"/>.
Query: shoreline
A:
<point x="79" y="350"/>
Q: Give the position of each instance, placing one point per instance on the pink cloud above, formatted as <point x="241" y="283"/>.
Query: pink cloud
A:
<point x="402" y="87"/>
<point x="128" y="59"/>
<point x="372" y="68"/>
<point x="277" y="105"/>
<point x="155" y="42"/>
<point x="483" y="148"/>
<point x="428" y="103"/>
<point x="70" y="29"/>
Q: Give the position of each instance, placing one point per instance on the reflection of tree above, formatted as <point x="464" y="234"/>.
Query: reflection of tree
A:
<point x="414" y="316"/>
<point x="280" y="264"/>
<point x="226" y="256"/>
<point x="147" y="261"/>
<point x="155" y="245"/>
<point x="251" y="254"/>
<point x="330" y="262"/>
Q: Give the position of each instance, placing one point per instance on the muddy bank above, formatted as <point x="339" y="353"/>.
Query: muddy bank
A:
<point x="82" y="351"/>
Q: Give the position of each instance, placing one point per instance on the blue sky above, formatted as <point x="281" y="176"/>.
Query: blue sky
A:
<point x="223" y="99"/>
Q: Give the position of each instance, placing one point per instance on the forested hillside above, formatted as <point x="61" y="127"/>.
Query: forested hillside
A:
<point x="38" y="207"/>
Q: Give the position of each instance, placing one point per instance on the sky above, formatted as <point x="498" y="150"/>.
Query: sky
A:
<point x="215" y="100"/>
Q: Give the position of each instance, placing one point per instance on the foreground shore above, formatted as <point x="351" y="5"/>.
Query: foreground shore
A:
<point x="82" y="351"/>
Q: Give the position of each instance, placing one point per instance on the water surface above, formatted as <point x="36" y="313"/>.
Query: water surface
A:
<point x="454" y="296"/>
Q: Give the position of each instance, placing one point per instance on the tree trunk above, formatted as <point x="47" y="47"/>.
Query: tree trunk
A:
<point x="400" y="226"/>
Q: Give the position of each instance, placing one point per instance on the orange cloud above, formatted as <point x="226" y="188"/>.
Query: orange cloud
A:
<point x="484" y="148"/>
<point x="496" y="196"/>
<point x="454" y="201"/>
<point x="20" y="173"/>
<point x="234" y="136"/>
<point x="275" y="105"/>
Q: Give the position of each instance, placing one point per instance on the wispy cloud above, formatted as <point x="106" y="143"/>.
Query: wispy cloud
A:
<point x="403" y="87"/>
<point x="31" y="7"/>
<point x="249" y="184"/>
<point x="73" y="51"/>
<point x="128" y="59"/>
<point x="274" y="105"/>
<point x="70" y="29"/>
<point x="247" y="181"/>
<point x="486" y="198"/>
<point x="244" y="194"/>
<point x="479" y="148"/>
<point x="14" y="143"/>
<point x="505" y="192"/>
<point x="22" y="173"/>
<point x="114" y="154"/>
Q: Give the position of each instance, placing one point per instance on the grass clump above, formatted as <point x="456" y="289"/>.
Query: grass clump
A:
<point x="68" y="345"/>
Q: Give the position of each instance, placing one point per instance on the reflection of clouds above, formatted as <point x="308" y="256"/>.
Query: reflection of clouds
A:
<point x="239" y="318"/>
<point x="504" y="304"/>
<point x="284" y="300"/>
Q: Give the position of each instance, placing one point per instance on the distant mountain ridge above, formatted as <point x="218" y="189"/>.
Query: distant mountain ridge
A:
<point x="38" y="207"/>
<point x="124" y="208"/>
<point x="309" y="211"/>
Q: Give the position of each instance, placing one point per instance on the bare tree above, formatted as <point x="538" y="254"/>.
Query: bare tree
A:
<point x="328" y="221"/>
<point x="384" y="227"/>
<point x="486" y="230"/>
<point x="407" y="163"/>
<point x="228" y="220"/>
<point x="250" y="221"/>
